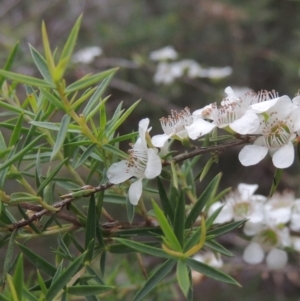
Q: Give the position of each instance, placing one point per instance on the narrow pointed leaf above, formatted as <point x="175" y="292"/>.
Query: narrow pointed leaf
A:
<point x="90" y="80"/>
<point x="71" y="41"/>
<point x="86" y="154"/>
<point x="20" y="154"/>
<point x="166" y="228"/>
<point x="210" y="271"/>
<point x="53" y="99"/>
<point x="40" y="63"/>
<point x="216" y="247"/>
<point x="90" y="228"/>
<point x="152" y="282"/>
<point x="63" y="279"/>
<point x="9" y="253"/>
<point x="18" y="278"/>
<point x="25" y="79"/>
<point x="165" y="201"/>
<point x="51" y="176"/>
<point x="98" y="94"/>
<point x="130" y="210"/>
<point x="276" y="180"/>
<point x="39" y="262"/>
<point x="179" y="219"/>
<point x="142" y="248"/>
<point x="182" y="273"/>
<point x="9" y="61"/>
<point x="204" y="198"/>
<point x="226" y="228"/>
<point x="116" y="151"/>
<point x="61" y="135"/>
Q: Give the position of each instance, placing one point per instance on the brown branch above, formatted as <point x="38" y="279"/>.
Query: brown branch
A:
<point x="67" y="199"/>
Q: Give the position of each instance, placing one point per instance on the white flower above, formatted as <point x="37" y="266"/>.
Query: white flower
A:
<point x="233" y="112"/>
<point x="268" y="241"/>
<point x="278" y="132"/>
<point x="210" y="258"/>
<point x="166" y="53"/>
<point x="86" y="55"/>
<point x="190" y="67"/>
<point x="215" y="72"/>
<point x="278" y="209"/>
<point x="166" y="73"/>
<point x="142" y="163"/>
<point x="295" y="216"/>
<point x="239" y="205"/>
<point x="174" y="126"/>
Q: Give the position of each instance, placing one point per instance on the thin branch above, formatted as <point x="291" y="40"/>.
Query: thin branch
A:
<point x="90" y="190"/>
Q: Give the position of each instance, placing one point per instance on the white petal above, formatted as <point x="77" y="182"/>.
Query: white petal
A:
<point x="284" y="157"/>
<point x="117" y="172"/>
<point x="135" y="191"/>
<point x="247" y="124"/>
<point x="276" y="259"/>
<point x="199" y="128"/>
<point x="160" y="140"/>
<point x="246" y="190"/>
<point x="226" y="214"/>
<point x="251" y="228"/>
<point x="143" y="127"/>
<point x="153" y="168"/>
<point x="252" y="154"/>
<point x="253" y="254"/>
<point x="264" y="106"/>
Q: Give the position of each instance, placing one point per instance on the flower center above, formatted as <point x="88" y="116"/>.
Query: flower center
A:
<point x="241" y="209"/>
<point x="227" y="113"/>
<point x="269" y="238"/>
<point x="176" y="122"/>
<point x="261" y="96"/>
<point x="137" y="161"/>
<point x="277" y="135"/>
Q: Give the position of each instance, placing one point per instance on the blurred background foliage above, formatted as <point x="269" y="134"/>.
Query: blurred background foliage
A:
<point x="259" y="39"/>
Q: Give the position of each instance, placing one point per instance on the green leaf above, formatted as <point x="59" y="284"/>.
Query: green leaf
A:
<point x="206" y="168"/>
<point x="48" y="54"/>
<point x="8" y="261"/>
<point x="120" y="120"/>
<point x="165" y="201"/>
<point x="51" y="176"/>
<point x="212" y="218"/>
<point x="56" y="126"/>
<point x="41" y="282"/>
<point x="153" y="281"/>
<point x="276" y="180"/>
<point x="38" y="261"/>
<point x="20" y="197"/>
<point x="98" y="94"/>
<point x="142" y="248"/>
<point x="130" y="210"/>
<point x="24" y="79"/>
<point x="179" y="219"/>
<point x="18" y="278"/>
<point x="53" y="99"/>
<point x="89" y="80"/>
<point x="210" y="271"/>
<point x="40" y="63"/>
<point x="15" y="136"/>
<point x="16" y="109"/>
<point x="166" y="228"/>
<point x="9" y="61"/>
<point x="88" y="290"/>
<point x="60" y="138"/>
<point x="216" y="247"/>
<point x="204" y="198"/>
<point x="20" y="154"/>
<point x="63" y="279"/>
<point x="90" y="227"/>
<point x="182" y="273"/>
<point x="86" y="154"/>
<point x="70" y="44"/>
<point x="225" y="229"/>
<point x="13" y="292"/>
<point x="116" y="151"/>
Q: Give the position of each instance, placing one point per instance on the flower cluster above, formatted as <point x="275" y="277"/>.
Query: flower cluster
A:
<point x="272" y="119"/>
<point x="270" y="222"/>
<point x="167" y="71"/>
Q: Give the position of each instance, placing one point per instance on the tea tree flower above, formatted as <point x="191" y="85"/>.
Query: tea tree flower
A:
<point x="166" y="53"/>
<point x="86" y="55"/>
<point x="277" y="138"/>
<point x="166" y="73"/>
<point x="241" y="204"/>
<point x="143" y="163"/>
<point x="174" y="126"/>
